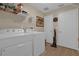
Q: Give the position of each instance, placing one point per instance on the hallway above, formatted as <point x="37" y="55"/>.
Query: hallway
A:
<point x="59" y="51"/>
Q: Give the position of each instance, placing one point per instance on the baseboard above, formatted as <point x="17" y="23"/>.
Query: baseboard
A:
<point x="64" y="46"/>
<point x="67" y="47"/>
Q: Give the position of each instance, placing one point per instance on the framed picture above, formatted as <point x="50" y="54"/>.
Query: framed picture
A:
<point x="39" y="21"/>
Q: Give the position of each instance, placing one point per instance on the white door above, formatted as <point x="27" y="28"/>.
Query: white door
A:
<point x="22" y="49"/>
<point x="68" y="29"/>
<point x="48" y="28"/>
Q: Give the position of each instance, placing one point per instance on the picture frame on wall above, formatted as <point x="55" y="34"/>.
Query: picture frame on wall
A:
<point x="39" y="21"/>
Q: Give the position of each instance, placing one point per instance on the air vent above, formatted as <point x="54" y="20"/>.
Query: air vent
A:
<point x="46" y="8"/>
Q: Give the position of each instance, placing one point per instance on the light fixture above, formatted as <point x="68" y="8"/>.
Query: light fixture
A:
<point x="18" y="8"/>
<point x="20" y="5"/>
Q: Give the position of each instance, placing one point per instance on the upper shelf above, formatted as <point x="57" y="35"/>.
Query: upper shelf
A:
<point x="13" y="8"/>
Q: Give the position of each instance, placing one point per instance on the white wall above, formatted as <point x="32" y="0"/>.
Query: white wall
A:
<point x="78" y="27"/>
<point x="48" y="28"/>
<point x="68" y="29"/>
<point x="68" y="23"/>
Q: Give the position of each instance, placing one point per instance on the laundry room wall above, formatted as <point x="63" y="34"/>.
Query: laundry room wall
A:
<point x="8" y="20"/>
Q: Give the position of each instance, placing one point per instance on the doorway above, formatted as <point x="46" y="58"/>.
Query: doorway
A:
<point x="55" y="25"/>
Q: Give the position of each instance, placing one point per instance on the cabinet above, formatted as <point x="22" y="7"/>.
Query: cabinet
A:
<point x="21" y="49"/>
<point x="39" y="44"/>
<point x="25" y="45"/>
<point x="0" y="52"/>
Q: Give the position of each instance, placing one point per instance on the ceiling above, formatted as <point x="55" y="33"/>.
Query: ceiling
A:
<point x="47" y="7"/>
